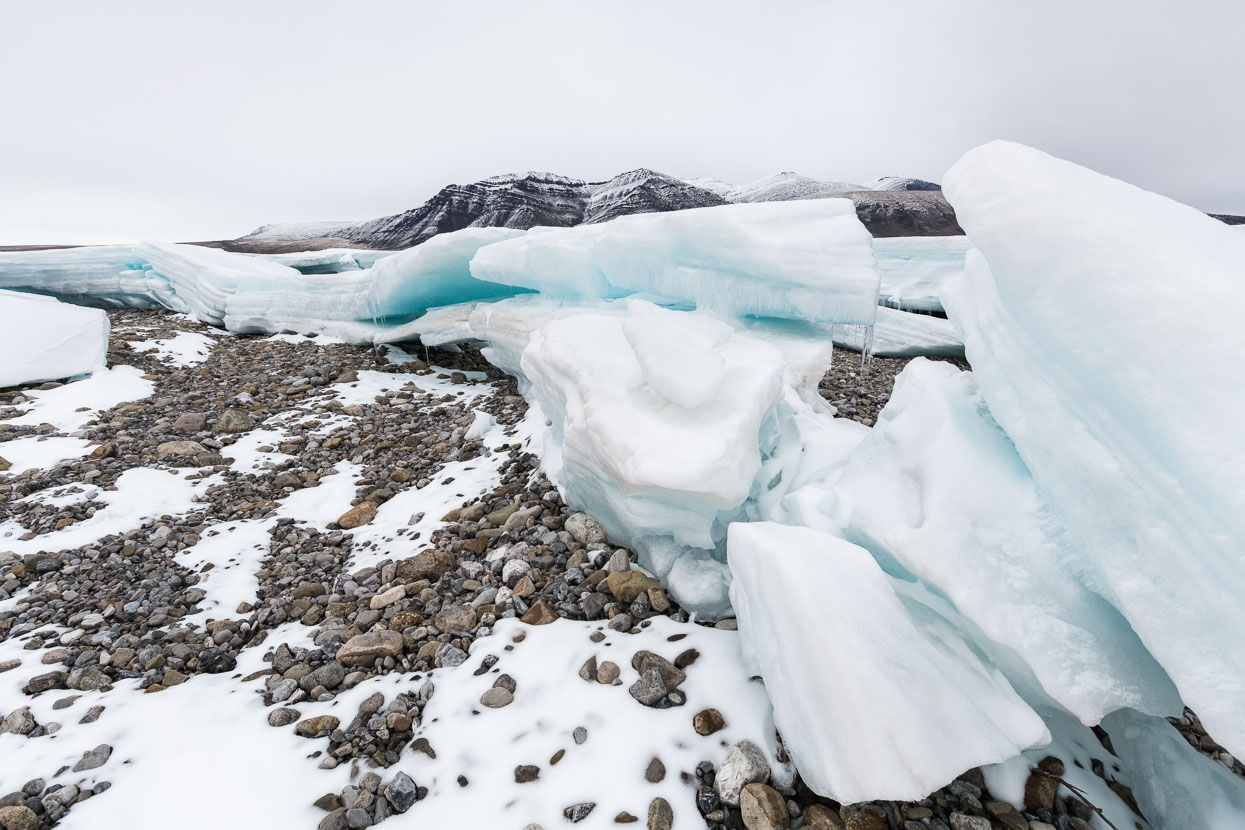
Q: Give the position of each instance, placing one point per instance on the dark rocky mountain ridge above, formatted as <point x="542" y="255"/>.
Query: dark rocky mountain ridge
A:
<point x="888" y="206"/>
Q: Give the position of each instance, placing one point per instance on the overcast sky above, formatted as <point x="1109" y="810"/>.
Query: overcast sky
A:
<point x="126" y="120"/>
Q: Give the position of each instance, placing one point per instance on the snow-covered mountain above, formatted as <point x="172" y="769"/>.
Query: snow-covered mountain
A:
<point x="780" y="187"/>
<point x="644" y="191"/>
<point x="525" y="201"/>
<point x="900" y="183"/>
<point x="509" y="201"/>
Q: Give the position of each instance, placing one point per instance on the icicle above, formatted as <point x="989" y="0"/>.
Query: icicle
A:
<point x="866" y="349"/>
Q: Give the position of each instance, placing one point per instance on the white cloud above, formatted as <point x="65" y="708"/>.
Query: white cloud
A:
<point x="165" y="121"/>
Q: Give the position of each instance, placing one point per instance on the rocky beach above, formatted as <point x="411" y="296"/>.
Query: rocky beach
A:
<point x="355" y="547"/>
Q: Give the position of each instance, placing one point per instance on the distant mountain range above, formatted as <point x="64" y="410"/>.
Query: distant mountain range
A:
<point x="890" y="206"/>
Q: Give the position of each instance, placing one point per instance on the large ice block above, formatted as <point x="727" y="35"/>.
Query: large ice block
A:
<point x="807" y="260"/>
<point x="1103" y="325"/>
<point x="867" y="684"/>
<point x="43" y="339"/>
<point x="656" y="415"/>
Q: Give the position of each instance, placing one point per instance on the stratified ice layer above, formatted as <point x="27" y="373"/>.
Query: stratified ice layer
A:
<point x="902" y="334"/>
<point x="915" y="269"/>
<point x="1103" y="326"/>
<point x="42" y="339"/>
<point x="808" y="260"/>
<point x="246" y="293"/>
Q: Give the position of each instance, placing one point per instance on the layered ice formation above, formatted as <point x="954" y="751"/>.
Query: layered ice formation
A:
<point x="246" y="293"/>
<point x="804" y="260"/>
<point x="1133" y="438"/>
<point x="915" y="269"/>
<point x="43" y="339"/>
<point x="901" y="334"/>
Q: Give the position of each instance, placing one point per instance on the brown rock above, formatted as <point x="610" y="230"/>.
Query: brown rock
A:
<point x="1006" y="815"/>
<point x="525" y="773"/>
<point x="428" y="564"/>
<point x="43" y="682"/>
<point x="1042" y="784"/>
<point x="387" y="598"/>
<point x="317" y="726"/>
<point x="627" y="585"/>
<point x="524" y="587"/>
<point x="656" y="771"/>
<point x="660" y="815"/>
<point x="18" y="817"/>
<point x="404" y="620"/>
<point x="763" y="808"/>
<point x="105" y="450"/>
<point x="373" y="644"/>
<point x="455" y="618"/>
<point x="191" y="422"/>
<point x="821" y="817"/>
<point x="184" y="448"/>
<point x="625" y="818"/>
<point x="856" y="818"/>
<point x="541" y="613"/>
<point x="357" y="516"/>
<point x="608" y="672"/>
<point x="234" y="420"/>
<point x="708" y="721"/>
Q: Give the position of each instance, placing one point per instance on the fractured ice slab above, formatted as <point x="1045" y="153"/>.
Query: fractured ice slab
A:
<point x="915" y="269"/>
<point x="938" y="488"/>
<point x="867" y="684"/>
<point x="252" y="294"/>
<point x="809" y="260"/>
<point x="1103" y="326"/>
<point x="42" y="339"/>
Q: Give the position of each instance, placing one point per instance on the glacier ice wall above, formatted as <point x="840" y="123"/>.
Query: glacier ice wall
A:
<point x="1103" y="326"/>
<point x="42" y="339"/>
<point x="808" y="260"/>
